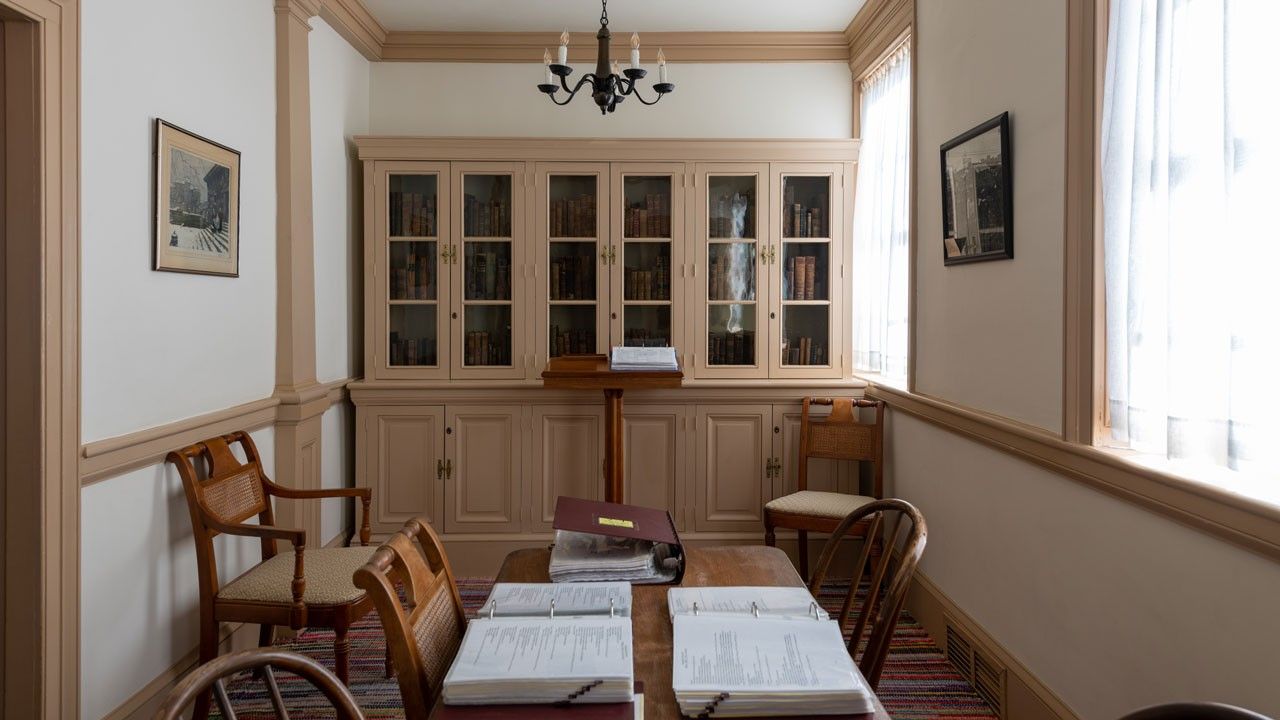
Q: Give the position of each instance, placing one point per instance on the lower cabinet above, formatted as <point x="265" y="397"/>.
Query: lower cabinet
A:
<point x="734" y="448"/>
<point x="403" y="460"/>
<point x="568" y="458"/>
<point x="655" y="458"/>
<point x="482" y="486"/>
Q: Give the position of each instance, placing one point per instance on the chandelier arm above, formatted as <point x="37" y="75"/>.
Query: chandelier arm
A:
<point x="638" y="96"/>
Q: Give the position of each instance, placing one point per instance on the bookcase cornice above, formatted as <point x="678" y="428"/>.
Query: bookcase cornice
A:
<point x="399" y="147"/>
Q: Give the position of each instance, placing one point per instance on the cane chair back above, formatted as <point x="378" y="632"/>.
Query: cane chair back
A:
<point x="887" y="583"/>
<point x="424" y="630"/>
<point x="839" y="436"/>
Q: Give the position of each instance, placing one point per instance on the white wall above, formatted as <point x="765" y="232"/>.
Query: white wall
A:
<point x="158" y="346"/>
<point x="138" y="584"/>
<point x="1110" y="605"/>
<point x="734" y="100"/>
<point x="989" y="335"/>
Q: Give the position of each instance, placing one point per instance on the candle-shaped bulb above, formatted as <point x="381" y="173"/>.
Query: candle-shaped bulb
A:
<point x="635" y="51"/>
<point x="662" y="66"/>
<point x="546" y="62"/>
<point x="562" y="55"/>
<point x="614" y="68"/>
<point x="635" y="40"/>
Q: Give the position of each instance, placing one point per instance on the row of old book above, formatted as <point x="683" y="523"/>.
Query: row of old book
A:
<point x="412" y="351"/>
<point x="731" y="348"/>
<point x="571" y="341"/>
<point x="730" y="278"/>
<point x="650" y="219"/>
<point x="413" y="279"/>
<point x="573" y="278"/>
<point x="488" y="276"/>
<point x="644" y="337"/>
<point x="412" y="214"/>
<point x="485" y="218"/>
<point x="803" y="351"/>
<point x="573" y="217"/>
<point x="482" y="348"/>
<point x="652" y="284"/>
<point x="799" y="221"/>
<point x="802" y="281"/>
<point x="721" y="224"/>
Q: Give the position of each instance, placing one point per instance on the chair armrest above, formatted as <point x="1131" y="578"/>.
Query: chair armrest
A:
<point x="298" y="610"/>
<point x="365" y="495"/>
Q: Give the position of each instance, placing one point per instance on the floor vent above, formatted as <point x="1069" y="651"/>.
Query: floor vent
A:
<point x="979" y="667"/>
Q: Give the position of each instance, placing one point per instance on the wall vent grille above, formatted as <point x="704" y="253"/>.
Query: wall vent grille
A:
<point x="979" y="667"/>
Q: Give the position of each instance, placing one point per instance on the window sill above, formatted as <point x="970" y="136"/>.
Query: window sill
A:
<point x="1247" y="487"/>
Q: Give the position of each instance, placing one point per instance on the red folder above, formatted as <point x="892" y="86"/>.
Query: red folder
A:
<point x="620" y="521"/>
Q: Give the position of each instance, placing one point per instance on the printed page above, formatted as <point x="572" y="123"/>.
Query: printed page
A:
<point x="643" y="358"/>
<point x="793" y="602"/>
<point x="526" y="648"/>
<point x="534" y="599"/>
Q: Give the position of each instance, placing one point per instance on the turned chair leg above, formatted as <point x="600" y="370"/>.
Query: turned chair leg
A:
<point x="802" y="540"/>
<point x="341" y="652"/>
<point x="266" y="635"/>
<point x="208" y="651"/>
<point x="769" y="538"/>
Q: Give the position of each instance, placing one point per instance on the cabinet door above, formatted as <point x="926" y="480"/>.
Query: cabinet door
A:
<point x="487" y="259"/>
<point x="824" y="474"/>
<point x="571" y="270"/>
<point x="728" y="289"/>
<point x="733" y="449"/>
<point x="647" y="242"/>
<point x="407" y="292"/>
<point x="482" y="456"/>
<point x="806" y="270"/>
<point x="403" y="449"/>
<point x="655" y="459"/>
<point x="568" y="457"/>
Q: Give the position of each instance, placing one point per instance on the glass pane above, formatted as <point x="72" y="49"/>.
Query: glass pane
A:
<point x="488" y="335"/>
<point x="647" y="271"/>
<point x="731" y="337"/>
<point x="412" y="206"/>
<point x="804" y="274"/>
<point x="572" y="212"/>
<point x="731" y="271"/>
<point x="413" y="271"/>
<point x="573" y="271"/>
<point x="731" y="206"/>
<point x="487" y="269"/>
<point x="806" y="207"/>
<point x="413" y="335"/>
<point x="804" y="335"/>
<point x="573" y="330"/>
<point x="647" y="325"/>
<point x="647" y="201"/>
<point x="486" y="205"/>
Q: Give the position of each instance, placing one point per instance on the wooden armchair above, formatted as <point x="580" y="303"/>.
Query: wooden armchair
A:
<point x="425" y="630"/>
<point x="838" y="436"/>
<point x="307" y="588"/>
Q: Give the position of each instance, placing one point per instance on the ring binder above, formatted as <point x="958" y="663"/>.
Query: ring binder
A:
<point x="755" y="609"/>
<point x="553" y="608"/>
<point x="493" y="607"/>
<point x="695" y="608"/>
<point x="611" y="606"/>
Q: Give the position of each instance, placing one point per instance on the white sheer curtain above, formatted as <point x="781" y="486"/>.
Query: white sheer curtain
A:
<point x="880" y="217"/>
<point x="1191" y="183"/>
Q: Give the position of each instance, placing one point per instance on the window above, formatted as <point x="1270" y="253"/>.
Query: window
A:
<point x="880" y="218"/>
<point x="1191" y="203"/>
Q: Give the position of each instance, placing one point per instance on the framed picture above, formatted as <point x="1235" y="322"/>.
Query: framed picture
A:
<point x="977" y="194"/>
<point x="197" y="204"/>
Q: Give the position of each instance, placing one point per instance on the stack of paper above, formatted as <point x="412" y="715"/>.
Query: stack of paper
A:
<point x="783" y="602"/>
<point x="541" y="657"/>
<point x="644" y="358"/>
<point x="586" y="557"/>
<point x="729" y="663"/>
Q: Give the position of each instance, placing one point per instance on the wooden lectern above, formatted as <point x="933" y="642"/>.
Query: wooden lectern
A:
<point x="592" y="372"/>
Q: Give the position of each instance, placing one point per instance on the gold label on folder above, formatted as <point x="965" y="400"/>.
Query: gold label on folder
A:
<point x="615" y="522"/>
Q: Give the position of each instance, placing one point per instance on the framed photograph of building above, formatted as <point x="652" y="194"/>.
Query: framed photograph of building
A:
<point x="197" y="204"/>
<point x="977" y="194"/>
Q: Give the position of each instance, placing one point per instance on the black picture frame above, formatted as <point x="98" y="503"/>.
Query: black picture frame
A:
<point x="985" y="189"/>
<point x="201" y="235"/>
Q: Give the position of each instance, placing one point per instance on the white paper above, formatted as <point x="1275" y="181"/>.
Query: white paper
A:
<point x="534" y="599"/>
<point x="643" y="358"/>
<point x="794" y="602"/>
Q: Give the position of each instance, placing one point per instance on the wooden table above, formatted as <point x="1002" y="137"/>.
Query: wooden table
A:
<point x="592" y="372"/>
<point x="650" y="623"/>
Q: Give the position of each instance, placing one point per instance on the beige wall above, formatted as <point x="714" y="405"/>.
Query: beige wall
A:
<point x="1111" y="606"/>
<point x="989" y="335"/>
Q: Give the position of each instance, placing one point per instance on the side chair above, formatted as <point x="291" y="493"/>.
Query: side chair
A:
<point x="305" y="588"/>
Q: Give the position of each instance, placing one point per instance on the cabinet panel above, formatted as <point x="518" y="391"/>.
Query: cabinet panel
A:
<point x="482" y="491"/>
<point x="733" y="449"/>
<point x="826" y="475"/>
<point x="568" y="457"/>
<point x="654" y="457"/>
<point x="403" y="447"/>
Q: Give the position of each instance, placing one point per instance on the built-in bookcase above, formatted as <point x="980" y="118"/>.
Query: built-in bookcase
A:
<point x="572" y="268"/>
<point x="647" y="245"/>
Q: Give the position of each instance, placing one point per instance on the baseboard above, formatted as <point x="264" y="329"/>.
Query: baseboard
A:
<point x="1027" y="698"/>
<point x="145" y="702"/>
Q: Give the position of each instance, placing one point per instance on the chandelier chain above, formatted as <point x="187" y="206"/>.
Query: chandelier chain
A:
<point x="604" y="13"/>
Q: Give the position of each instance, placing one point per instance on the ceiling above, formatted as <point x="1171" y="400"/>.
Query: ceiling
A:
<point x="624" y="15"/>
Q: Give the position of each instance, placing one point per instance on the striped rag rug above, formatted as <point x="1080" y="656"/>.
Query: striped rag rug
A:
<point x="917" y="683"/>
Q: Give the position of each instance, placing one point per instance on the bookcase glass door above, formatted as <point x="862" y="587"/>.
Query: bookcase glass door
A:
<point x="413" y="280"/>
<point x="646" y="260"/>
<point x="732" y="248"/>
<point x="573" y="278"/>
<point x="804" y="267"/>
<point x="486" y="270"/>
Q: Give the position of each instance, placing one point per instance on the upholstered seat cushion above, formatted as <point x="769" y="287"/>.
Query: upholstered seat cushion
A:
<point x="328" y="573"/>
<point x="815" y="503"/>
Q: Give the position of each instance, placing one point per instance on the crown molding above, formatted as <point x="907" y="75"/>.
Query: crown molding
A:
<point x="876" y="26"/>
<point x="353" y="21"/>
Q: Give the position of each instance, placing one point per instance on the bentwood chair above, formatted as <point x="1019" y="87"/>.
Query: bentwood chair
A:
<point x="1194" y="711"/>
<point x="838" y="436"/>
<point x="425" y="630"/>
<point x="886" y="588"/>
<point x="262" y="661"/>
<point x="305" y="588"/>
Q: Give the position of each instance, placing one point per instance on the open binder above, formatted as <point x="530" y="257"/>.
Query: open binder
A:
<point x="600" y="541"/>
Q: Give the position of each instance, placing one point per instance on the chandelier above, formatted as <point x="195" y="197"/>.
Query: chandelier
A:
<point x="608" y="87"/>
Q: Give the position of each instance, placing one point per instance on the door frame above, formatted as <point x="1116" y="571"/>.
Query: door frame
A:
<point x="42" y="587"/>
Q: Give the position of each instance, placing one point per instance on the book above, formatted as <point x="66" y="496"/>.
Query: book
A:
<point x="601" y="541"/>
<point x="643" y="358"/>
